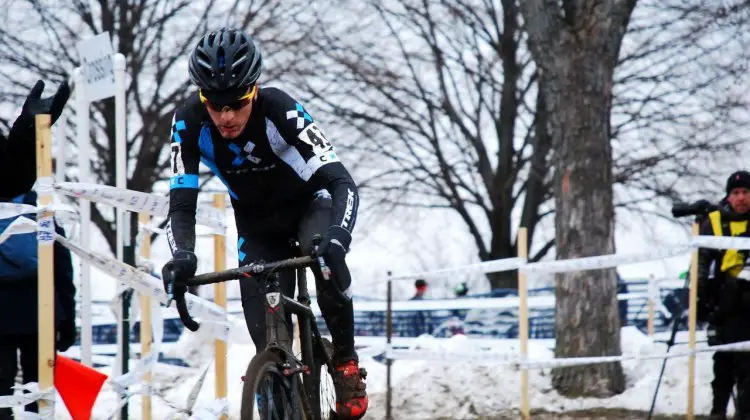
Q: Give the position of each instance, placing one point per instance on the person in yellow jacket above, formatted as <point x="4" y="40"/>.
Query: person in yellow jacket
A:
<point x="724" y="294"/>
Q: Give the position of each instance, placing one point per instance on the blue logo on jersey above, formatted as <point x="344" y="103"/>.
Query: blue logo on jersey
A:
<point x="178" y="126"/>
<point x="304" y="113"/>
<point x="237" y="162"/>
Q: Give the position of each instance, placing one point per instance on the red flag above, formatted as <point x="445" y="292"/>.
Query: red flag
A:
<point x="78" y="386"/>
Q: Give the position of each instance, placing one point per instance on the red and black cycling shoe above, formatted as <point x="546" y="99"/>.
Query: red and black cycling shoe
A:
<point x="351" y="396"/>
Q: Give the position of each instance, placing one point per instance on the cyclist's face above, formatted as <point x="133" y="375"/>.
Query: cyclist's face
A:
<point x="739" y="199"/>
<point x="231" y="118"/>
<point x="231" y="122"/>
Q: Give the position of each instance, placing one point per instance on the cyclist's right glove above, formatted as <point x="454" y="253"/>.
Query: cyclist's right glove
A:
<point x="181" y="267"/>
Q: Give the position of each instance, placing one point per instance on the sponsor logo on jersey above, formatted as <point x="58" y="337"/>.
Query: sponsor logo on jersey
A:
<point x="349" y="208"/>
<point x="299" y="115"/>
<point x="273" y="299"/>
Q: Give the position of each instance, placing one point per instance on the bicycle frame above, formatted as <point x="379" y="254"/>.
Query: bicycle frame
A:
<point x="276" y="307"/>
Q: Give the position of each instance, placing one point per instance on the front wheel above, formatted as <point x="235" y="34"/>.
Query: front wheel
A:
<point x="267" y="392"/>
<point x="319" y="384"/>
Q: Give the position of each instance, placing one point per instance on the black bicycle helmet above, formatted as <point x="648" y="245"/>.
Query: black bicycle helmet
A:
<point x="225" y="63"/>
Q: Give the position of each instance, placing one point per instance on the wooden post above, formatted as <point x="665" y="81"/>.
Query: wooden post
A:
<point x="692" y="318"/>
<point x="220" y="298"/>
<point x="388" y="361"/>
<point x="46" y="280"/>
<point x="146" y="336"/>
<point x="523" y="321"/>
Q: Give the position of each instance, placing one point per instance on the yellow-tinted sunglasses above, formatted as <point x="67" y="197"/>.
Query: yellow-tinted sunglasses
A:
<point x="234" y="105"/>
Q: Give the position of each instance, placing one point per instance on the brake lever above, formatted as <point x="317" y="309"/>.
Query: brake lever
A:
<point x="325" y="270"/>
<point x="170" y="288"/>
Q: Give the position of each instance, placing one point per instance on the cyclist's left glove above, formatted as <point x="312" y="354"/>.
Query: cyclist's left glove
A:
<point x="335" y="241"/>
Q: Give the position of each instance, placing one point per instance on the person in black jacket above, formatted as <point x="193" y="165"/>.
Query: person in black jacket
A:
<point x="18" y="149"/>
<point x="724" y="296"/>
<point x="19" y="317"/>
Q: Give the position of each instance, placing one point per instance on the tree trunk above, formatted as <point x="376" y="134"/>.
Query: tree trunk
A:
<point x="587" y="322"/>
<point x="576" y="46"/>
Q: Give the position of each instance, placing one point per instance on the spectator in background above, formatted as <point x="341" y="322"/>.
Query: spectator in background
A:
<point x="420" y="321"/>
<point x="18" y="305"/>
<point x="420" y="287"/>
<point x="18" y="150"/>
<point x="724" y="296"/>
<point x="461" y="290"/>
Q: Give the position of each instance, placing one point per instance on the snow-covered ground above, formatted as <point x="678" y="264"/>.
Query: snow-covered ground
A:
<point x="430" y="389"/>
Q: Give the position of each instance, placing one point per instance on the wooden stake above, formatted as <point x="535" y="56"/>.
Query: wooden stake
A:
<point x="220" y="298"/>
<point x="145" y="302"/>
<point x="46" y="280"/>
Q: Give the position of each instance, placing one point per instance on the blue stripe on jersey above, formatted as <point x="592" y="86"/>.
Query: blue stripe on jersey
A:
<point x="179" y="125"/>
<point x="206" y="144"/>
<point x="183" y="181"/>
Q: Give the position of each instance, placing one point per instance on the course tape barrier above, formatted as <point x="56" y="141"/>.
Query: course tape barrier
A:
<point x="517" y="363"/>
<point x="137" y="201"/>
<point x="485" y="267"/>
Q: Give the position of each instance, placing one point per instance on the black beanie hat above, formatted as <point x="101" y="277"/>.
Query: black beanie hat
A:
<point x="739" y="179"/>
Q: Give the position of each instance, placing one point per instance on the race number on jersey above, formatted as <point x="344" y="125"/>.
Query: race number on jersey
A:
<point x="178" y="167"/>
<point x="313" y="136"/>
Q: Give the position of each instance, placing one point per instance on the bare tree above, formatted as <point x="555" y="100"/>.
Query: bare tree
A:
<point x="577" y="46"/>
<point x="436" y="104"/>
<point x="444" y="102"/>
<point x="679" y="109"/>
<point x="156" y="38"/>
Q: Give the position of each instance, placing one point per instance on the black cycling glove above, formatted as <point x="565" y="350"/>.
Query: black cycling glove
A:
<point x="181" y="267"/>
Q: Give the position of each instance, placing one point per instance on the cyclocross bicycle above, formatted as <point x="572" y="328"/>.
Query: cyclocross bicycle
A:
<point x="277" y="384"/>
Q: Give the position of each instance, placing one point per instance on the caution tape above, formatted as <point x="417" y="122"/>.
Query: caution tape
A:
<point x="31" y="394"/>
<point x="721" y="242"/>
<point x="28" y="415"/>
<point x="121" y="383"/>
<point x="212" y="411"/>
<point x="45" y="185"/>
<point x="193" y="394"/>
<point x="452" y="356"/>
<point x="143" y="282"/>
<point x="8" y="210"/>
<point x="604" y="261"/>
<point x="137" y="201"/>
<point x="516" y="362"/>
<point x="17" y="227"/>
<point x="485" y="267"/>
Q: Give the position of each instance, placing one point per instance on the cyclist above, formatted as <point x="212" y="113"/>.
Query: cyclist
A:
<point x="286" y="184"/>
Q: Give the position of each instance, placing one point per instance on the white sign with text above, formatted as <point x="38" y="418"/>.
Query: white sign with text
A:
<point x="97" y="62"/>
